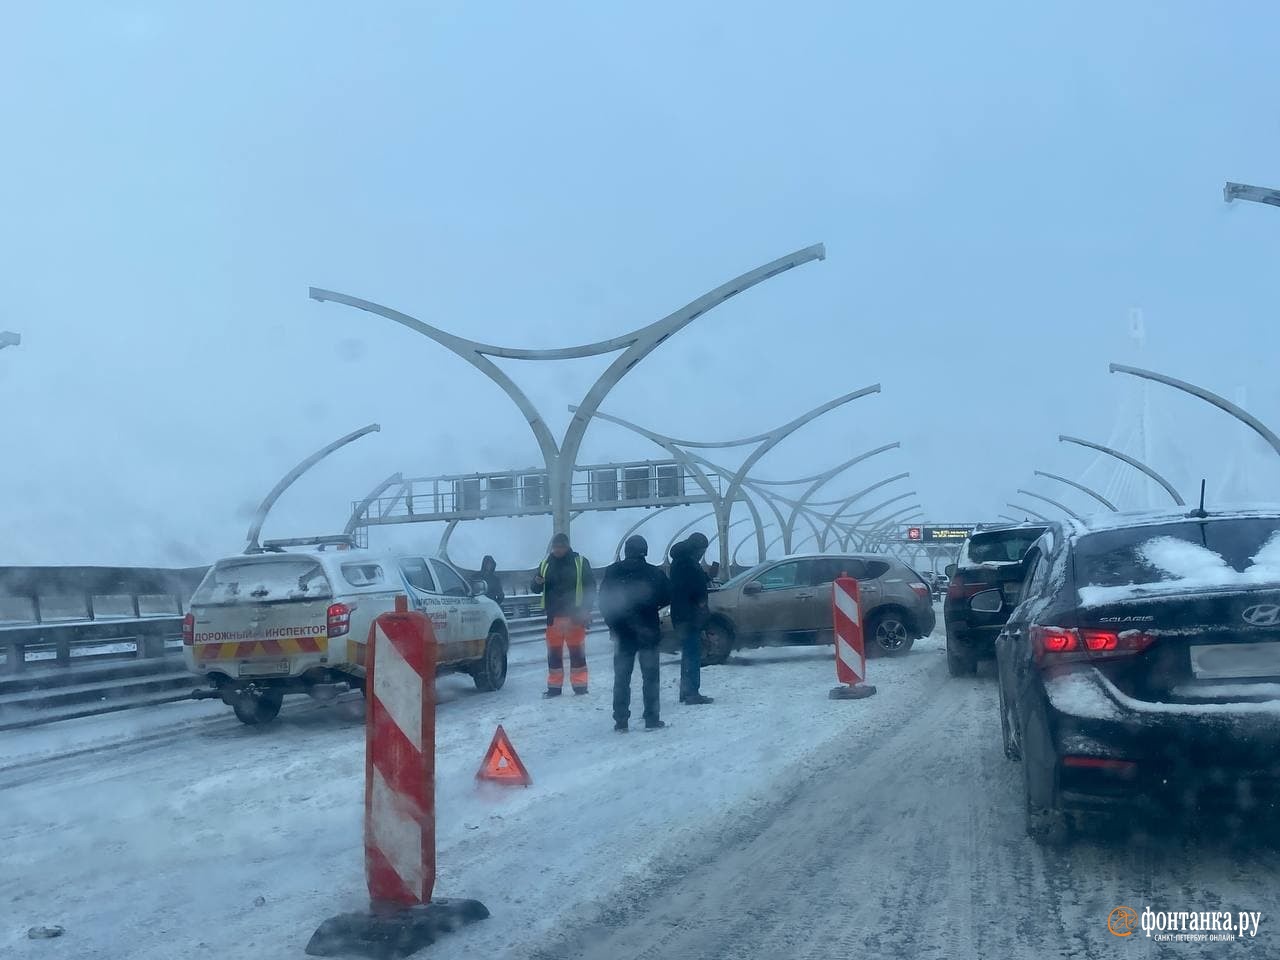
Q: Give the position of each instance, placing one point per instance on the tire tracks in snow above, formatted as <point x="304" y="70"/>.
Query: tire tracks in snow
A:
<point x="913" y="847"/>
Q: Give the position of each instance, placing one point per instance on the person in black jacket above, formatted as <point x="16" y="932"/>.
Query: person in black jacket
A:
<point x="631" y="594"/>
<point x="568" y="588"/>
<point x="489" y="574"/>
<point x="689" y="612"/>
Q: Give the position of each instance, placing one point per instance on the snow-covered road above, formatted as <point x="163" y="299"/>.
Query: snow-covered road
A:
<point x="774" y="823"/>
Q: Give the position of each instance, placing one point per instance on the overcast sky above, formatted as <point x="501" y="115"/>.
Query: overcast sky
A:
<point x="997" y="185"/>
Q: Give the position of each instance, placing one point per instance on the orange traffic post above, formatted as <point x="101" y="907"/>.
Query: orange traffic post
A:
<point x="399" y="801"/>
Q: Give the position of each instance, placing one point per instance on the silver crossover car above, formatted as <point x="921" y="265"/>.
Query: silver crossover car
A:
<point x="788" y="601"/>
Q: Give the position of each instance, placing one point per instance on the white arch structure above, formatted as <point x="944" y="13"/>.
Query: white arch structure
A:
<point x="1049" y="500"/>
<point x="1029" y="512"/>
<point x="1079" y="486"/>
<point x="260" y="515"/>
<point x="1208" y="396"/>
<point x="561" y="456"/>
<point x="1125" y="458"/>
<point x="739" y="479"/>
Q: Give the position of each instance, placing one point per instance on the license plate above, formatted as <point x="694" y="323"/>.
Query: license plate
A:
<point x="269" y="668"/>
<point x="1233" y="661"/>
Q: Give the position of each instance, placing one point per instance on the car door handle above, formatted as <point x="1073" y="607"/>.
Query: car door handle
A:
<point x="804" y="596"/>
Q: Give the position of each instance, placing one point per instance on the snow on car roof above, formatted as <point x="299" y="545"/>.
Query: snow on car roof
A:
<point x="1144" y="518"/>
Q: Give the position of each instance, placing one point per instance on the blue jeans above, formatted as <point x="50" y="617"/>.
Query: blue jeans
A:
<point x="690" y="658"/>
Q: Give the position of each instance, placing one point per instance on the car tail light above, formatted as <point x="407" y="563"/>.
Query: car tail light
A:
<point x="339" y="619"/>
<point x="188" y="630"/>
<point x="1059" y="644"/>
<point x="920" y="590"/>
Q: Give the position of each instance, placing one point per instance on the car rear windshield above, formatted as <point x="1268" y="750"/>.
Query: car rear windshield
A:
<point x="259" y="580"/>
<point x="1002" y="546"/>
<point x="1225" y="552"/>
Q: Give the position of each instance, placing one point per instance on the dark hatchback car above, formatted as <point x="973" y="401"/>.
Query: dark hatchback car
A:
<point x="983" y="592"/>
<point x="1142" y="667"/>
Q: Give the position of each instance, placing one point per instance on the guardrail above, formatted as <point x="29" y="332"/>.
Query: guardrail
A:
<point x="70" y="644"/>
<point x="82" y="643"/>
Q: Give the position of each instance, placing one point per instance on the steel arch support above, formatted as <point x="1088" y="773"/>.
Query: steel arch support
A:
<point x="787" y="429"/>
<point x="260" y="515"/>
<point x="363" y="507"/>
<point x="1029" y="512"/>
<point x="648" y="515"/>
<point x="692" y="523"/>
<point x="635" y="346"/>
<point x="651" y="336"/>
<point x="862" y="517"/>
<point x="1081" y="487"/>
<point x="1136" y="464"/>
<point x="885" y="522"/>
<point x="848" y="502"/>
<point x="821" y="480"/>
<point x="1248" y="419"/>
<point x="1065" y="509"/>
<point x="442" y="548"/>
<point x="736" y="523"/>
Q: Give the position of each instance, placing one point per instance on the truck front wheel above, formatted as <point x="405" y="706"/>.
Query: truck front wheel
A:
<point x="491" y="672"/>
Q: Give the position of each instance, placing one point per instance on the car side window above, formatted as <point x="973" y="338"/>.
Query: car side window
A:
<point x="362" y="574"/>
<point x="417" y="574"/>
<point x="826" y="569"/>
<point x="451" y="585"/>
<point x="782" y="577"/>
<point x="1033" y="579"/>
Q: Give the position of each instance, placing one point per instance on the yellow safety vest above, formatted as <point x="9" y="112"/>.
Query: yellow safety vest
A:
<point x="577" y="594"/>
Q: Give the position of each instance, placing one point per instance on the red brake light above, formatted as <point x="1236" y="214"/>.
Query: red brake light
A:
<point x="1100" y="640"/>
<point x="188" y="629"/>
<point x="1057" y="644"/>
<point x="1054" y="640"/>
<point x="920" y="590"/>
<point x="339" y="619"/>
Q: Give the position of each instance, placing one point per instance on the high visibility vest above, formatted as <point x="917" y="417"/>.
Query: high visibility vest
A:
<point x="577" y="593"/>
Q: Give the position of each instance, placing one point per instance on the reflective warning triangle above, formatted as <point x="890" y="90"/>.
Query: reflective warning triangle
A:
<point x="501" y="763"/>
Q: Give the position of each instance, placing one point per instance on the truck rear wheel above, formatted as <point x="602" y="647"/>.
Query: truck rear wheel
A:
<point x="491" y="672"/>
<point x="253" y="707"/>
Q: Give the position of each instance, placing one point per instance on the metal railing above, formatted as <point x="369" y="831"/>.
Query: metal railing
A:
<point x="71" y="644"/>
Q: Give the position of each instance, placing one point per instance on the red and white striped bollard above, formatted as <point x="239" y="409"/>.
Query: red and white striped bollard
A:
<point x="851" y="656"/>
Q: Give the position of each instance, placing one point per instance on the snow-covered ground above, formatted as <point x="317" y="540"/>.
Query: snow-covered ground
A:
<point x="157" y="833"/>
<point x="773" y="823"/>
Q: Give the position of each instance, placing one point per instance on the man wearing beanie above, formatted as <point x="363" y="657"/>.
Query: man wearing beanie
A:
<point x="631" y="594"/>
<point x="568" y="587"/>
<point x="689" y="612"/>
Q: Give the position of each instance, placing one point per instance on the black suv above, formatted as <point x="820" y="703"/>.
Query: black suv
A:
<point x="1143" y="667"/>
<point x="983" y="592"/>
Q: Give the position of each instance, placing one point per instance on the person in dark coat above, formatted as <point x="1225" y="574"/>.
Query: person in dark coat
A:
<point x="631" y="594"/>
<point x="689" y="612"/>
<point x="567" y="585"/>
<point x="489" y="574"/>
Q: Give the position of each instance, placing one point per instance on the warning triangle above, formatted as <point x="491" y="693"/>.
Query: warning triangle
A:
<point x="501" y="764"/>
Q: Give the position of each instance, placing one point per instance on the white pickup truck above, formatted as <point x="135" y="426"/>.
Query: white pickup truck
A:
<point x="268" y="624"/>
